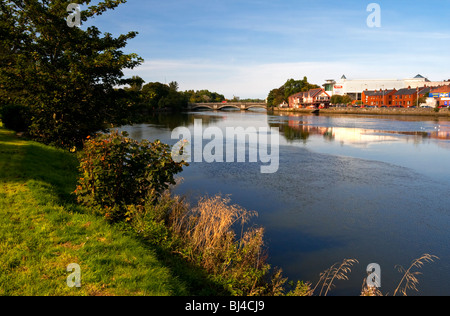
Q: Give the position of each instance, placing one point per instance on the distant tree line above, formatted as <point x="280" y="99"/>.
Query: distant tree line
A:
<point x="279" y="95"/>
<point x="155" y="96"/>
<point x="203" y="96"/>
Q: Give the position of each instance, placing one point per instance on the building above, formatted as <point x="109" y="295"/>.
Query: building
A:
<point x="409" y="96"/>
<point x="406" y="97"/>
<point x="378" y="97"/>
<point x="329" y="86"/>
<point x="315" y="97"/>
<point x="355" y="87"/>
<point x="441" y="95"/>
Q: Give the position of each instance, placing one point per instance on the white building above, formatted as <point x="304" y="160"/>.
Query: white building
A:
<point x="355" y="87"/>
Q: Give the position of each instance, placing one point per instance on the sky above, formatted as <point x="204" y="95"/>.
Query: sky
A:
<point x="245" y="48"/>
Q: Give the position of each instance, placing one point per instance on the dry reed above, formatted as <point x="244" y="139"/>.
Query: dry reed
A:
<point x="216" y="237"/>
<point x="337" y="271"/>
<point x="410" y="280"/>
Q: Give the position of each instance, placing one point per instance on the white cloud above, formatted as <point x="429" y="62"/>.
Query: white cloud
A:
<point x="255" y="80"/>
<point x="246" y="81"/>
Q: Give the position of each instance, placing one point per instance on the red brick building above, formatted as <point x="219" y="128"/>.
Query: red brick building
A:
<point x="408" y="97"/>
<point x="378" y="97"/>
<point x="315" y="97"/>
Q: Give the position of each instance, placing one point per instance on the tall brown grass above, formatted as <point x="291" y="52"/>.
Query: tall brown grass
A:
<point x="216" y="235"/>
<point x="410" y="280"/>
<point x="338" y="271"/>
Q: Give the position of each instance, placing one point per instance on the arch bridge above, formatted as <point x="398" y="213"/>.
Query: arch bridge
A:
<point x="243" y="106"/>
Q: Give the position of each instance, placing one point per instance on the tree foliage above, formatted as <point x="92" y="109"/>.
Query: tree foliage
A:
<point x="64" y="75"/>
<point x="156" y="95"/>
<point x="203" y="96"/>
<point x="276" y="96"/>
<point x="292" y="86"/>
<point x="117" y="171"/>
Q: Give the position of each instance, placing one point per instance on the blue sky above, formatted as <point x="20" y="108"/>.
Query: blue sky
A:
<point x="247" y="47"/>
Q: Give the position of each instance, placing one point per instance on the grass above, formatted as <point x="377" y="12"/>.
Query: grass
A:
<point x="43" y="230"/>
<point x="409" y="280"/>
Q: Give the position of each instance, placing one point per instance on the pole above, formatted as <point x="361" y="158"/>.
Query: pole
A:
<point x="417" y="97"/>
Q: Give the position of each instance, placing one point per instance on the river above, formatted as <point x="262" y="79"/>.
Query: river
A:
<point x="372" y="188"/>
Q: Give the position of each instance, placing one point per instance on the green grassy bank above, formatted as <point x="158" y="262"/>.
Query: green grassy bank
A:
<point x="43" y="230"/>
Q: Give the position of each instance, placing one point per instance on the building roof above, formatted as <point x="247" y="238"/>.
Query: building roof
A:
<point x="413" y="91"/>
<point x="406" y="91"/>
<point x="378" y="92"/>
<point x="425" y="90"/>
<point x="441" y="89"/>
<point x="308" y="94"/>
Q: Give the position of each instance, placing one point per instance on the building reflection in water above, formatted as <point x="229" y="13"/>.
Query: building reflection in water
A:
<point x="293" y="130"/>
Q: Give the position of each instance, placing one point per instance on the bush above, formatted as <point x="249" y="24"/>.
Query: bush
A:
<point x="152" y="220"/>
<point x="117" y="172"/>
<point x="16" y="117"/>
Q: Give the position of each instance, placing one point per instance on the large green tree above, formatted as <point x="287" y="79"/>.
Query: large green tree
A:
<point x="295" y="86"/>
<point x="276" y="96"/>
<point x="156" y="95"/>
<point x="292" y="86"/>
<point x="65" y="76"/>
<point x="203" y="96"/>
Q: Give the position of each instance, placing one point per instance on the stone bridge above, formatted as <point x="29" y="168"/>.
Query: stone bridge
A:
<point x="243" y="106"/>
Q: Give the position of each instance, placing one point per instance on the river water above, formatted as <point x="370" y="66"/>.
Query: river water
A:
<point x="371" y="188"/>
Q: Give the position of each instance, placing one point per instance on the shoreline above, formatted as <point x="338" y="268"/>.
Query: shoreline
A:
<point x="372" y="111"/>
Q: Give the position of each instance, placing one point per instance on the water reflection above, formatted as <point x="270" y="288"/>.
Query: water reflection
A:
<point x="371" y="188"/>
<point x="300" y="127"/>
<point x="174" y="120"/>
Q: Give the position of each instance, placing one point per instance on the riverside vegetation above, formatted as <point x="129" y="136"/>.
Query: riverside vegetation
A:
<point x="127" y="242"/>
<point x="43" y="230"/>
<point x="124" y="229"/>
<point x="128" y="233"/>
<point x="133" y="239"/>
<point x="127" y="182"/>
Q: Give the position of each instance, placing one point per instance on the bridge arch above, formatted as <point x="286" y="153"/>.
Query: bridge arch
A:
<point x="197" y="107"/>
<point x="228" y="106"/>
<point x="257" y="107"/>
<point x="220" y="106"/>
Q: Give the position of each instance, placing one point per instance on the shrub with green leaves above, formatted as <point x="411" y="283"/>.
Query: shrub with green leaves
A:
<point x="117" y="171"/>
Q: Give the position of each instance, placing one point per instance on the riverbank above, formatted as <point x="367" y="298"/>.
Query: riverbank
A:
<point x="372" y="111"/>
<point x="43" y="230"/>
